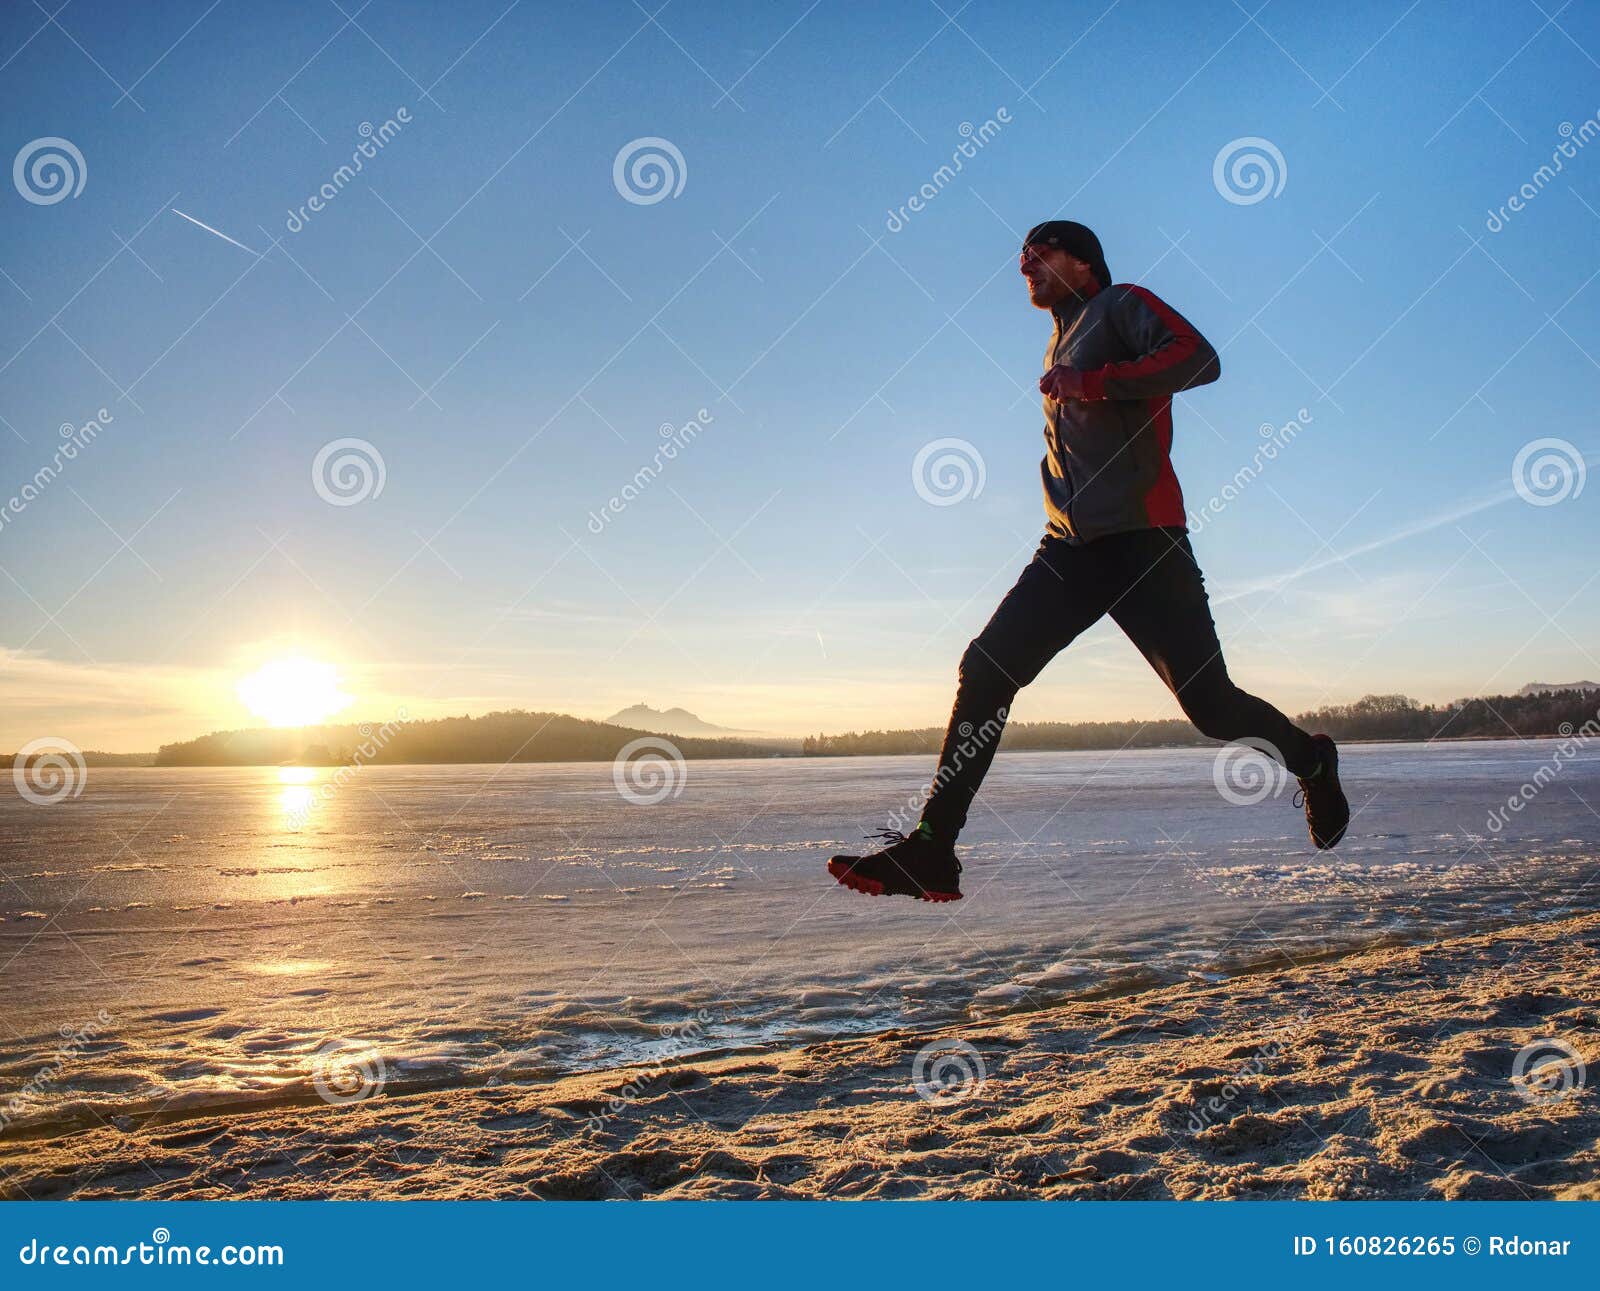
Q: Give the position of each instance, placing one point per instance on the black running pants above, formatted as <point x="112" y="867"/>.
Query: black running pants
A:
<point x="1148" y="582"/>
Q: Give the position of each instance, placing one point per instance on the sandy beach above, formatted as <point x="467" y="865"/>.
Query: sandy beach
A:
<point x="1387" y="1073"/>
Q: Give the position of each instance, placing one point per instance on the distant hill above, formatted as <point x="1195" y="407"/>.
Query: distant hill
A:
<point x="1539" y="687"/>
<point x="514" y="736"/>
<point x="675" y="721"/>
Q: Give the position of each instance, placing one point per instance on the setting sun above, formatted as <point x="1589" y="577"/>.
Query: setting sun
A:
<point x="293" y="692"/>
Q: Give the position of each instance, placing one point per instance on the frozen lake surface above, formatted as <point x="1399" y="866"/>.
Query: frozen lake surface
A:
<point x="197" y="937"/>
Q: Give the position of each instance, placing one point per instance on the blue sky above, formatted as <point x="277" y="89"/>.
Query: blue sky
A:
<point x="483" y="306"/>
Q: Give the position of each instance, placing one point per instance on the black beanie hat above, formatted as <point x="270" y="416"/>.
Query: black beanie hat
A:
<point x="1076" y="240"/>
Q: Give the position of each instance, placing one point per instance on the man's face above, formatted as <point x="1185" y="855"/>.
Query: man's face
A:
<point x="1053" y="275"/>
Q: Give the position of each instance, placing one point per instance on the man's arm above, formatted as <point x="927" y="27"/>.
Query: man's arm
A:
<point x="1173" y="356"/>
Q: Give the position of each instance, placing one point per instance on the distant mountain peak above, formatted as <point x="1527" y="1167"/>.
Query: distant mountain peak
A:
<point x="672" y="721"/>
<point x="1534" y="687"/>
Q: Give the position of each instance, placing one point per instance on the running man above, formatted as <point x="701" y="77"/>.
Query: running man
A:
<point x="1115" y="543"/>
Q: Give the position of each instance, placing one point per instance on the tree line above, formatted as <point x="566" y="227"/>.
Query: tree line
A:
<point x="1372" y="717"/>
<point x="519" y="736"/>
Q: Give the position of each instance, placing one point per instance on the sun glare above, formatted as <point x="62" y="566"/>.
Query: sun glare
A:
<point x="293" y="692"/>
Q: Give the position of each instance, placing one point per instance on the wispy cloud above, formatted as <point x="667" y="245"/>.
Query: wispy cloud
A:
<point x="104" y="705"/>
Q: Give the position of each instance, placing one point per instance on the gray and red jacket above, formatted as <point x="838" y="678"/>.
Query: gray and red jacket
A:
<point x="1107" y="466"/>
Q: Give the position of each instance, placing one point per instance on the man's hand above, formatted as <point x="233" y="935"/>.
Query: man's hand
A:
<point x="1062" y="383"/>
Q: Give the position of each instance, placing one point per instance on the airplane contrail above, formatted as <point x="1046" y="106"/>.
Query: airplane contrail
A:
<point x="1460" y="511"/>
<point x="209" y="229"/>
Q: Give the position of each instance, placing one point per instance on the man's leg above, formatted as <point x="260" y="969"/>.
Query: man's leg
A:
<point x="1163" y="608"/>
<point x="1061" y="593"/>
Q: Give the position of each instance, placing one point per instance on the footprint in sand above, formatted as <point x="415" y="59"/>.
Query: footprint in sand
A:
<point x="185" y="1015"/>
